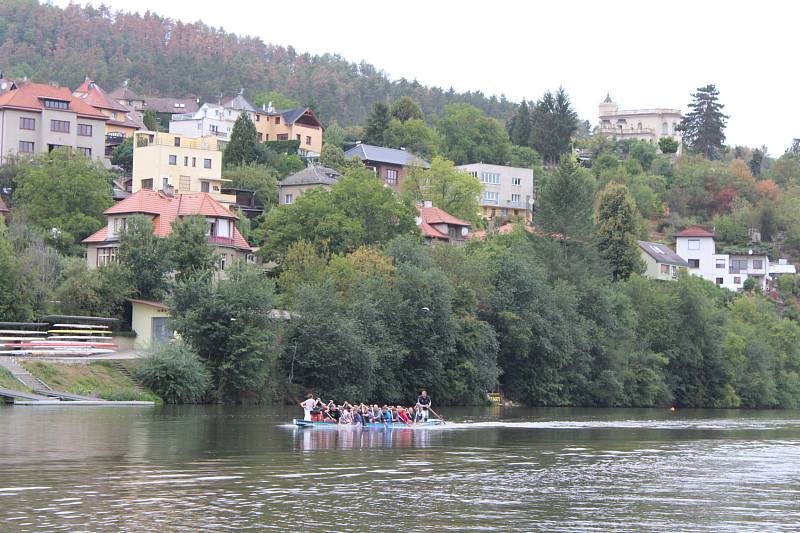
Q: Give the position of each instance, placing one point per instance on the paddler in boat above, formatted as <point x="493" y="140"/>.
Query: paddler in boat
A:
<point x="402" y="415"/>
<point x="424" y="403"/>
<point x="333" y="411"/>
<point x="308" y="405"/>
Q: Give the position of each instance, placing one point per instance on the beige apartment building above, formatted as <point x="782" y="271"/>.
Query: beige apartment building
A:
<point x="507" y="191"/>
<point x="640" y="124"/>
<point x="166" y="161"/>
<point x="37" y="118"/>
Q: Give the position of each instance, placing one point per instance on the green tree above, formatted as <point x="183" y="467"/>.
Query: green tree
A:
<point x="376" y="125"/>
<point x="278" y="100"/>
<point x="566" y="201"/>
<point x="447" y="188"/>
<point x="243" y="146"/>
<point x="413" y="135"/>
<point x="151" y="121"/>
<point x="519" y="127"/>
<point x="644" y="153"/>
<point x="189" y="252"/>
<point x="144" y="257"/>
<point x="97" y="292"/>
<point x="64" y="194"/>
<point x="334" y="135"/>
<point x="469" y="136"/>
<point x="15" y="305"/>
<point x="258" y="178"/>
<point x="785" y="170"/>
<point x="616" y="230"/>
<point x="122" y="155"/>
<point x="553" y="123"/>
<point x="525" y="157"/>
<point x="405" y="108"/>
<point x="174" y="372"/>
<point x="668" y="145"/>
<point x="333" y="157"/>
<point x="227" y="323"/>
<point x="703" y="128"/>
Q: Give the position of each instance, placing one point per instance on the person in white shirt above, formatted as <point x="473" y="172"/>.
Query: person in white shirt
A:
<point x="308" y="404"/>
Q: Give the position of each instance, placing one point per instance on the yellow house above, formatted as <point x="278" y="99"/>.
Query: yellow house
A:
<point x="299" y="124"/>
<point x="151" y="322"/>
<point x="178" y="163"/>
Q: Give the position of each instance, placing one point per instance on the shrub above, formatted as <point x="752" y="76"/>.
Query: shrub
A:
<point x="175" y="373"/>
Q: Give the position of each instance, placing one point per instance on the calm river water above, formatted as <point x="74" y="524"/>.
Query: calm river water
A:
<point x="238" y="468"/>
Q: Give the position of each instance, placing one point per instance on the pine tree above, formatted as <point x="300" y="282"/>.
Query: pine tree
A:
<point x="243" y="146"/>
<point x="703" y="127"/>
<point x="616" y="229"/>
<point x="520" y="125"/>
<point x="377" y="122"/>
<point x="553" y="123"/>
<point x="405" y="108"/>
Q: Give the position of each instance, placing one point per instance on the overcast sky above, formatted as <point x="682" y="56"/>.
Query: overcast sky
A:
<point x="646" y="54"/>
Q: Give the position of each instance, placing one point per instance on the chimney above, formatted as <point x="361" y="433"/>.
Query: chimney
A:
<point x="169" y="191"/>
<point x="427" y="203"/>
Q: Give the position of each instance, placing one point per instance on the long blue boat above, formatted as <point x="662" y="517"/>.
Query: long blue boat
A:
<point x="394" y="425"/>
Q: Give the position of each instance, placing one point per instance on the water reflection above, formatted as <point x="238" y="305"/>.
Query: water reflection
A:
<point x="311" y="439"/>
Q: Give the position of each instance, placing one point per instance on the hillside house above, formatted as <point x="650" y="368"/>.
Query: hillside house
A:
<point x="311" y="177"/>
<point x="438" y="226"/>
<point x="123" y="121"/>
<point x="640" y="124"/>
<point x="391" y="165"/>
<point x="298" y="124"/>
<point x="507" y="191"/>
<point x="661" y="261"/>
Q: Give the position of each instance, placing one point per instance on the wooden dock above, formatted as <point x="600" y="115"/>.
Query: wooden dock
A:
<point x="16" y="397"/>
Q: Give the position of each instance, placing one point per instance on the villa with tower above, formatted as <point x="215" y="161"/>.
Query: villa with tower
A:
<point x="641" y="124"/>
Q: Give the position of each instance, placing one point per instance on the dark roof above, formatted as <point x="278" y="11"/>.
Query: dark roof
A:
<point x="393" y="156"/>
<point x="662" y="253"/>
<point x="123" y="92"/>
<point x="168" y="105"/>
<point x="695" y="231"/>
<point x="238" y="102"/>
<point x="312" y="175"/>
<point x="608" y="99"/>
<point x="291" y="115"/>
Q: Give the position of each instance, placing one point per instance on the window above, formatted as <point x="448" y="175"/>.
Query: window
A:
<point x="61" y="126"/>
<point x="56" y="104"/>
<point x="251" y="259"/>
<point x="491" y="197"/>
<point x="205" y="186"/>
<point x="206" y="163"/>
<point x="258" y="117"/>
<point x="222" y="260"/>
<point x="114" y="115"/>
<point x="737" y="280"/>
<point x="720" y="263"/>
<point x="194" y="161"/>
<point x="260" y="136"/>
<point x="85" y="130"/>
<point x="308" y="140"/>
<point x="288" y="199"/>
<point x="184" y="183"/>
<point x="639" y="126"/>
<point x="664" y="128"/>
<point x="516" y="198"/>
<point x="738" y="265"/>
<point x="277" y="120"/>
<point x="266" y="137"/>
<point x="177" y="141"/>
<point x="25" y="147"/>
<point x="85" y="151"/>
<point x="212" y="128"/>
<point x="283" y="137"/>
<point x="391" y="176"/>
<point x="26" y="123"/>
<point x="694" y="263"/>
<point x="120" y="225"/>
<point x="164" y="183"/>
<point x="694" y="244"/>
<point x="186" y="160"/>
<point x="106" y="256"/>
<point x="173" y="159"/>
<point x="516" y="182"/>
<point x="758" y="264"/>
<point x="665" y="269"/>
<point x="297" y="136"/>
<point x="719" y="281"/>
<point x="147" y="184"/>
<point x="492" y="178"/>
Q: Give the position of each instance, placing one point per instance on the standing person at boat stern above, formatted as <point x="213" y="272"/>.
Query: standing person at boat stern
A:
<point x="308" y="404"/>
<point x="424" y="403"/>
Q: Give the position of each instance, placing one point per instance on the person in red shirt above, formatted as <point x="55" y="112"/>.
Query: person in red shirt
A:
<point x="402" y="415"/>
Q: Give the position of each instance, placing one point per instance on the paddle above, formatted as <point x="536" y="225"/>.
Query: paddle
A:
<point x="437" y="415"/>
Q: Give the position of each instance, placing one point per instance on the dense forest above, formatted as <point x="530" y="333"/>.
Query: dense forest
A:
<point x="165" y="57"/>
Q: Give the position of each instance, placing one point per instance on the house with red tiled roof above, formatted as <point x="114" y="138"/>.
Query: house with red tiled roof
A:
<point x="122" y="121"/>
<point x="127" y="97"/>
<point x="37" y="118"/>
<point x="437" y="225"/>
<point x="165" y="209"/>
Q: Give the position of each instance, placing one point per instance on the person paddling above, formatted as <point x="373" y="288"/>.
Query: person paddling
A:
<point x="308" y="405"/>
<point x="424" y="403"/>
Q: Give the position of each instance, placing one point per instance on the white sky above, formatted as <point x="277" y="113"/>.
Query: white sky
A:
<point x="645" y="53"/>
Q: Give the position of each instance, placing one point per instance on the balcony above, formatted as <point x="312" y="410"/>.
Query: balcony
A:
<point x="220" y="241"/>
<point x="182" y="116"/>
<point x="633" y="112"/>
<point x="168" y="139"/>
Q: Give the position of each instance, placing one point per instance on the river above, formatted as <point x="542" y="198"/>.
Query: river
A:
<point x="236" y="468"/>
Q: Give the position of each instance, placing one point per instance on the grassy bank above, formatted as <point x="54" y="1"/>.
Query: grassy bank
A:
<point x="95" y="379"/>
<point x="8" y="381"/>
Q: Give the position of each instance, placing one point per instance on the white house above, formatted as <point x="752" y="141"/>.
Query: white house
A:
<point x="641" y="124"/>
<point x="730" y="270"/>
<point x="507" y="191"/>
<point x="212" y="119"/>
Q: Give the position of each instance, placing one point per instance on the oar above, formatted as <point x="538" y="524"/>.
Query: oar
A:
<point x="437" y="415"/>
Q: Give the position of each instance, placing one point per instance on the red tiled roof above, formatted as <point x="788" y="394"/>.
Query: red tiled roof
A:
<point x="695" y="231"/>
<point x="3" y="208"/>
<point x="166" y="209"/>
<point x="95" y="96"/>
<point x="429" y="231"/>
<point x="434" y="215"/>
<point x="30" y="95"/>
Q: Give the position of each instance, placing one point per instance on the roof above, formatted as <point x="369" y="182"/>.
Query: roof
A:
<point x="30" y="95"/>
<point x="157" y="305"/>
<point x="608" y="99"/>
<point x="238" y="102"/>
<point x="3" y="207"/>
<point x="662" y="253"/>
<point x="695" y="231"/>
<point x="431" y="232"/>
<point x="392" y="156"/>
<point x="166" y="209"/>
<point x="434" y="215"/>
<point x="123" y="92"/>
<point x="94" y="95"/>
<point x="312" y="175"/>
<point x="171" y="105"/>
